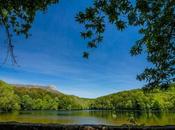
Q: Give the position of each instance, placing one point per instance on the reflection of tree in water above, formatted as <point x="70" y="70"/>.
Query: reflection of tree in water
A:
<point x="137" y="117"/>
<point x="145" y="117"/>
<point x="101" y="113"/>
<point x="155" y="115"/>
<point x="133" y="117"/>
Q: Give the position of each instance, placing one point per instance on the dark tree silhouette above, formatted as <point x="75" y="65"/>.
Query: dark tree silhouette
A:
<point x="156" y="19"/>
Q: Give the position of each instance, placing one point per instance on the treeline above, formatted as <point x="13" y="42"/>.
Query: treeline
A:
<point x="33" y="98"/>
<point x="159" y="100"/>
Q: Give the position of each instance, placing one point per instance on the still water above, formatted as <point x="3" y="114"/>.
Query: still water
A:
<point x="90" y="117"/>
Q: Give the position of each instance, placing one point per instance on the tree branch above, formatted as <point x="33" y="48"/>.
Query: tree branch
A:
<point x="10" y="47"/>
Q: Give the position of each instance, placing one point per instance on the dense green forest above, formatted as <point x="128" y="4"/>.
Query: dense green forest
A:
<point x="138" y="99"/>
<point x="14" y="97"/>
<point x="35" y="98"/>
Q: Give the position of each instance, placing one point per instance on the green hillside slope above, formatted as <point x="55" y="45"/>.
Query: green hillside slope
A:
<point x="21" y="97"/>
<point x="138" y="100"/>
<point x="14" y="97"/>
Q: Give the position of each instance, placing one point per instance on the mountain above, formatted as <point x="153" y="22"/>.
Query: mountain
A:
<point x="34" y="97"/>
<point x="50" y="88"/>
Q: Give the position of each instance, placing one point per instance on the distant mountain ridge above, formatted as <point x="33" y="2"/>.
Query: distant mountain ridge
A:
<point x="36" y="97"/>
<point x="50" y="88"/>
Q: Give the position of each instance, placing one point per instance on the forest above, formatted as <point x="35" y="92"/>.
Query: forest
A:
<point x="15" y="98"/>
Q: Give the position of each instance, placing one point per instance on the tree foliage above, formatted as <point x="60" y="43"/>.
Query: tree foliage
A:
<point x="24" y="98"/>
<point x="155" y="100"/>
<point x="156" y="20"/>
<point x="17" y="16"/>
<point x="8" y="99"/>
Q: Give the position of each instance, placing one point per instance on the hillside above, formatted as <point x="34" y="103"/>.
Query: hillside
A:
<point x="25" y="97"/>
<point x="138" y="100"/>
<point x="30" y="97"/>
<point x="49" y="88"/>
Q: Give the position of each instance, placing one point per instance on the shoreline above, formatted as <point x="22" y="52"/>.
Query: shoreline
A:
<point x="32" y="126"/>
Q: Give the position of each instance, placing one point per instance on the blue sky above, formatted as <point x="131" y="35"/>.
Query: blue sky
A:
<point x="53" y="56"/>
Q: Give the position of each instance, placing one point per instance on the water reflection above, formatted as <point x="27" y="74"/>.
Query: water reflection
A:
<point x="91" y="117"/>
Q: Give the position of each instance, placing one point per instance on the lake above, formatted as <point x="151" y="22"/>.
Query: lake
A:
<point x="90" y="117"/>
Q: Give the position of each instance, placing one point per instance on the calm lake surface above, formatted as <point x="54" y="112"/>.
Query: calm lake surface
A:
<point x="90" y="117"/>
